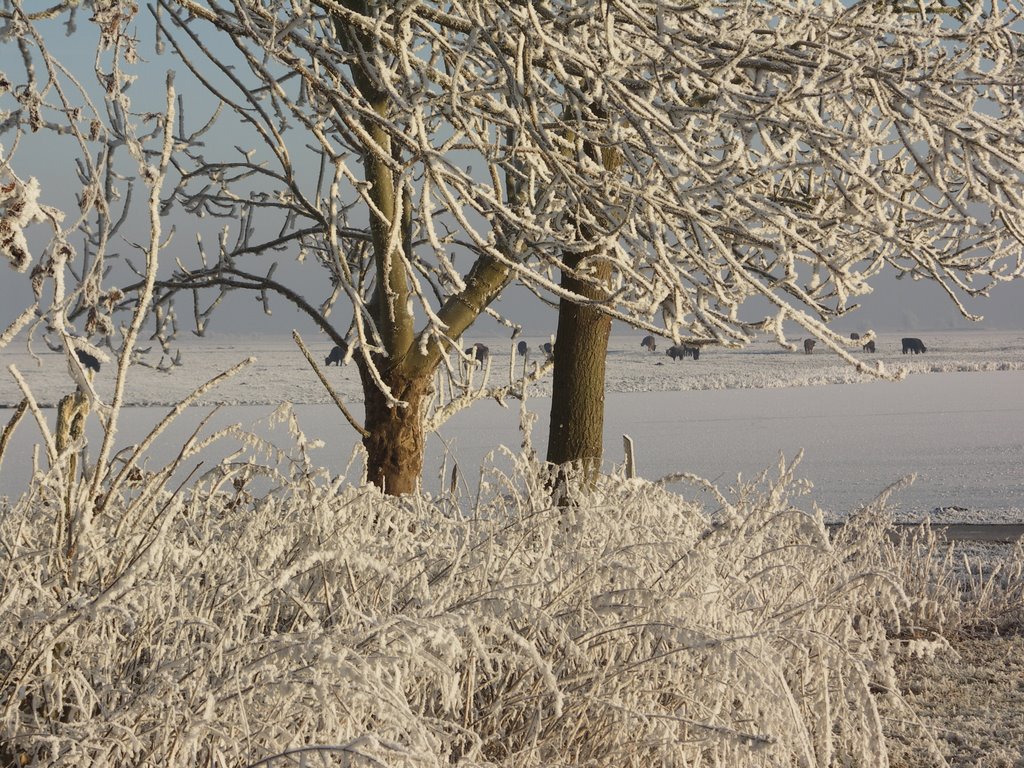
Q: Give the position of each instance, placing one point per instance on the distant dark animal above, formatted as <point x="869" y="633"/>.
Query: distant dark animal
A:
<point x="522" y="347"/>
<point x="547" y="348"/>
<point x="869" y="347"/>
<point x="678" y="352"/>
<point x="480" y="352"/>
<point x="808" y="346"/>
<point x="854" y="336"/>
<point x="910" y="344"/>
<point x="337" y="356"/>
<point x="89" y="361"/>
<point x="650" y="343"/>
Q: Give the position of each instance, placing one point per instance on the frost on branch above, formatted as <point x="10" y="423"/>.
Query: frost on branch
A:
<point x="58" y="122"/>
<point x="19" y="207"/>
<point x="738" y="166"/>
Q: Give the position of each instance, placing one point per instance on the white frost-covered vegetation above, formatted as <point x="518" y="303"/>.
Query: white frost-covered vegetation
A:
<point x="212" y="626"/>
<point x="266" y="610"/>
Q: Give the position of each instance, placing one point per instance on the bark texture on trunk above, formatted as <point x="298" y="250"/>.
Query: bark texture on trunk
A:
<point x="576" y="429"/>
<point x="575" y="432"/>
<point x="395" y="442"/>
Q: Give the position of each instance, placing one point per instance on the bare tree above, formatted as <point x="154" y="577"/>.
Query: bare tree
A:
<point x="788" y="153"/>
<point x="659" y="164"/>
<point x="103" y="152"/>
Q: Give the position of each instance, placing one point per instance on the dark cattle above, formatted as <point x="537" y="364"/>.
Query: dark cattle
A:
<point x="89" y="361"/>
<point x="677" y="352"/>
<point x="808" y="346"/>
<point x="547" y="348"/>
<point x="869" y="347"/>
<point x="337" y="356"/>
<point x="479" y="352"/>
<point x="854" y="336"/>
<point x="522" y="347"/>
<point x="649" y="343"/>
<point x="910" y="344"/>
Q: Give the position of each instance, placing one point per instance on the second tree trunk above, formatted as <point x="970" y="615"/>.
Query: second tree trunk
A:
<point x="575" y="433"/>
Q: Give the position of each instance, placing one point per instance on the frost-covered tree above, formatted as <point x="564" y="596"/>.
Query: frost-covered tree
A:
<point x="703" y="172"/>
<point x="785" y="152"/>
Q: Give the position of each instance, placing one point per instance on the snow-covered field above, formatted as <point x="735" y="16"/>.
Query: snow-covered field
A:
<point x="729" y="413"/>
<point x="280" y="372"/>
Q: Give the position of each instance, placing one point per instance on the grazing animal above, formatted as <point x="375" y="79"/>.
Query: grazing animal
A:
<point x="854" y="336"/>
<point x="808" y="346"/>
<point x="480" y="352"/>
<point x="547" y="348"/>
<point x="337" y="356"/>
<point x="910" y="344"/>
<point x="89" y="361"/>
<point x="678" y="352"/>
<point x="869" y="347"/>
<point x="650" y="343"/>
<point x="522" y="347"/>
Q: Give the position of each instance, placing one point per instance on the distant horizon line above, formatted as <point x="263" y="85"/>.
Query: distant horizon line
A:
<point x="214" y="334"/>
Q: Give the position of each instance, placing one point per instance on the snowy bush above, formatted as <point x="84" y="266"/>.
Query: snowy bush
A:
<point x="952" y="591"/>
<point x="226" y="625"/>
<point x="949" y="589"/>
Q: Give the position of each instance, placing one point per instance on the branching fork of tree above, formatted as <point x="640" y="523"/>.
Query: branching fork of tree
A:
<point x="703" y="172"/>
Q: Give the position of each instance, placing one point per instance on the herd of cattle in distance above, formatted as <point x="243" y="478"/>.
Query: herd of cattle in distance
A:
<point x="910" y="344"/>
<point x="678" y="352"/>
<point x="480" y="352"/>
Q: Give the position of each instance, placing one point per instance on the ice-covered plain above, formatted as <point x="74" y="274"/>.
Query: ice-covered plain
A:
<point x="731" y="412"/>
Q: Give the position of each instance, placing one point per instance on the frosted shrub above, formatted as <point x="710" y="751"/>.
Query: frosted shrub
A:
<point x="321" y="620"/>
<point x="952" y="592"/>
<point x="994" y="598"/>
<point x="947" y="590"/>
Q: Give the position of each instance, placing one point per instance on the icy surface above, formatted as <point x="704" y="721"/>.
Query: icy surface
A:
<point x="729" y="413"/>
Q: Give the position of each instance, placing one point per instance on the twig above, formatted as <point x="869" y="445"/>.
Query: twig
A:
<point x="51" y="448"/>
<point x="159" y="173"/>
<point x="176" y="411"/>
<point x="327" y="385"/>
<point x="11" y="426"/>
<point x="14" y="328"/>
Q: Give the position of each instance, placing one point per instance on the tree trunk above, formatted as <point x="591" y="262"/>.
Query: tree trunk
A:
<point x="577" y="392"/>
<point x="576" y="429"/>
<point x="395" y="440"/>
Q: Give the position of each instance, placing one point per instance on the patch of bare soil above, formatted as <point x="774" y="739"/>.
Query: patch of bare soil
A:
<point x="969" y="705"/>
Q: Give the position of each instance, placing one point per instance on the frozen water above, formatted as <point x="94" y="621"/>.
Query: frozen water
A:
<point x="731" y="412"/>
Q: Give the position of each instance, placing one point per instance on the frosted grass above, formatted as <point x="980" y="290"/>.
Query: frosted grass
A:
<point x="250" y="608"/>
<point x="215" y="625"/>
